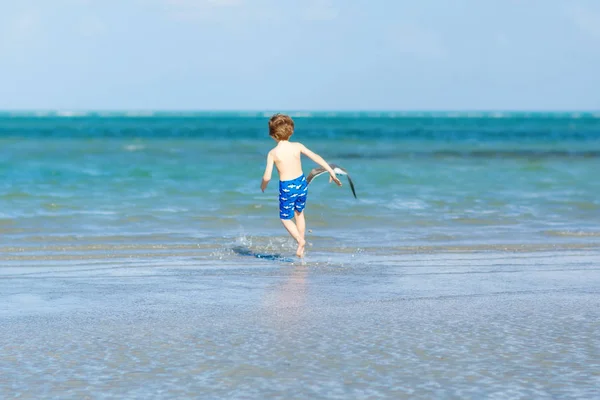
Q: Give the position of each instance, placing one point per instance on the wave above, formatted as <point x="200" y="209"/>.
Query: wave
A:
<point x="484" y="154"/>
<point x="573" y="233"/>
<point x="303" y="113"/>
<point x="220" y="249"/>
<point x="470" y="127"/>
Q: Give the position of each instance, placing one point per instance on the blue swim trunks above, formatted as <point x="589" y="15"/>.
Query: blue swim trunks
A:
<point x="292" y="196"/>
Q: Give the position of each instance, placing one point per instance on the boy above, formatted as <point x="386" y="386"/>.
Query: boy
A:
<point x="292" y="183"/>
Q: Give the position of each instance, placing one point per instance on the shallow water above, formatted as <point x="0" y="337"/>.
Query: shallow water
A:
<point x="493" y="324"/>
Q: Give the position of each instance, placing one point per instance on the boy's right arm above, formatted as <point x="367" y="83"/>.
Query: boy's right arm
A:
<point x="268" y="171"/>
<point x="319" y="160"/>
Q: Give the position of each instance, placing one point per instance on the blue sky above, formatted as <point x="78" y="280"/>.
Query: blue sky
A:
<point x="300" y="55"/>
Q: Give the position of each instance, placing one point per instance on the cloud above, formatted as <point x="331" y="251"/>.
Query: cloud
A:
<point x="502" y="39"/>
<point x="25" y="26"/>
<point x="20" y="32"/>
<point x="321" y="10"/>
<point x="202" y="4"/>
<point x="415" y="39"/>
<point x="200" y="9"/>
<point x="256" y="11"/>
<point x="91" y="26"/>
<point x="586" y="19"/>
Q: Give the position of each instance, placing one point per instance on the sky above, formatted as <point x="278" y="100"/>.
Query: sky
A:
<point x="300" y="55"/>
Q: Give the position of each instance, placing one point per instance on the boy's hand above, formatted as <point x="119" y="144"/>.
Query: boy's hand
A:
<point x="333" y="177"/>
<point x="263" y="185"/>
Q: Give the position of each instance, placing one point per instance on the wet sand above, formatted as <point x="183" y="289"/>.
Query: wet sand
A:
<point x="445" y="325"/>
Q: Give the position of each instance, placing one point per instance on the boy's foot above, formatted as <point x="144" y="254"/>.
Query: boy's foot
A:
<point x="300" y="249"/>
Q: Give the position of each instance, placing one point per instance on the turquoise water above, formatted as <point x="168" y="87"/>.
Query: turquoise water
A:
<point x="191" y="180"/>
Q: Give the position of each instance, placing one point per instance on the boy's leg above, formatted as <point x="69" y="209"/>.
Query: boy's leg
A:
<point x="300" y="223"/>
<point x="293" y="230"/>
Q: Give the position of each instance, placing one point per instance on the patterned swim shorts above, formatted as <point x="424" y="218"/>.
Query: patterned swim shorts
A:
<point x="292" y="197"/>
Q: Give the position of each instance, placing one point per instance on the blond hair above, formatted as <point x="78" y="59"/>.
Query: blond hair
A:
<point x="281" y="127"/>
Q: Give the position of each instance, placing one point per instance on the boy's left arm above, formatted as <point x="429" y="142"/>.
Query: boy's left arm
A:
<point x="319" y="160"/>
<point x="268" y="171"/>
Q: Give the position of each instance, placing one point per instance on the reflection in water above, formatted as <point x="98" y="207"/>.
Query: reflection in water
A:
<point x="287" y="302"/>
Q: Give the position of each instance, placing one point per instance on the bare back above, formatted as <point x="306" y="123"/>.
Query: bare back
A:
<point x="286" y="156"/>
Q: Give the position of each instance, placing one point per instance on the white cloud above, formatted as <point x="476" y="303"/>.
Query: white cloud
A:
<point x="502" y="40"/>
<point x="80" y="2"/>
<point x="321" y="10"/>
<point x="203" y="3"/>
<point x="586" y="19"/>
<point x="91" y="26"/>
<point x="25" y="26"/>
<point x="414" y="39"/>
<point x="201" y="9"/>
<point x="244" y="10"/>
<point x="20" y="32"/>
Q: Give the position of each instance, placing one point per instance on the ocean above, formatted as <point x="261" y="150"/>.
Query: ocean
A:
<point x="122" y="184"/>
<point x="139" y="257"/>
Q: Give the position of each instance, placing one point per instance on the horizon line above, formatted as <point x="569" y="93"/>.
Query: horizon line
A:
<point x="283" y="110"/>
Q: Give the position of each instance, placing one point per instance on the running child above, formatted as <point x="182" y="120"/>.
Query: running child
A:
<point x="293" y="187"/>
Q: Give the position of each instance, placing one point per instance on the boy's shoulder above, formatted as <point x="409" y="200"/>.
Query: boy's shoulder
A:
<point x="295" y="144"/>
